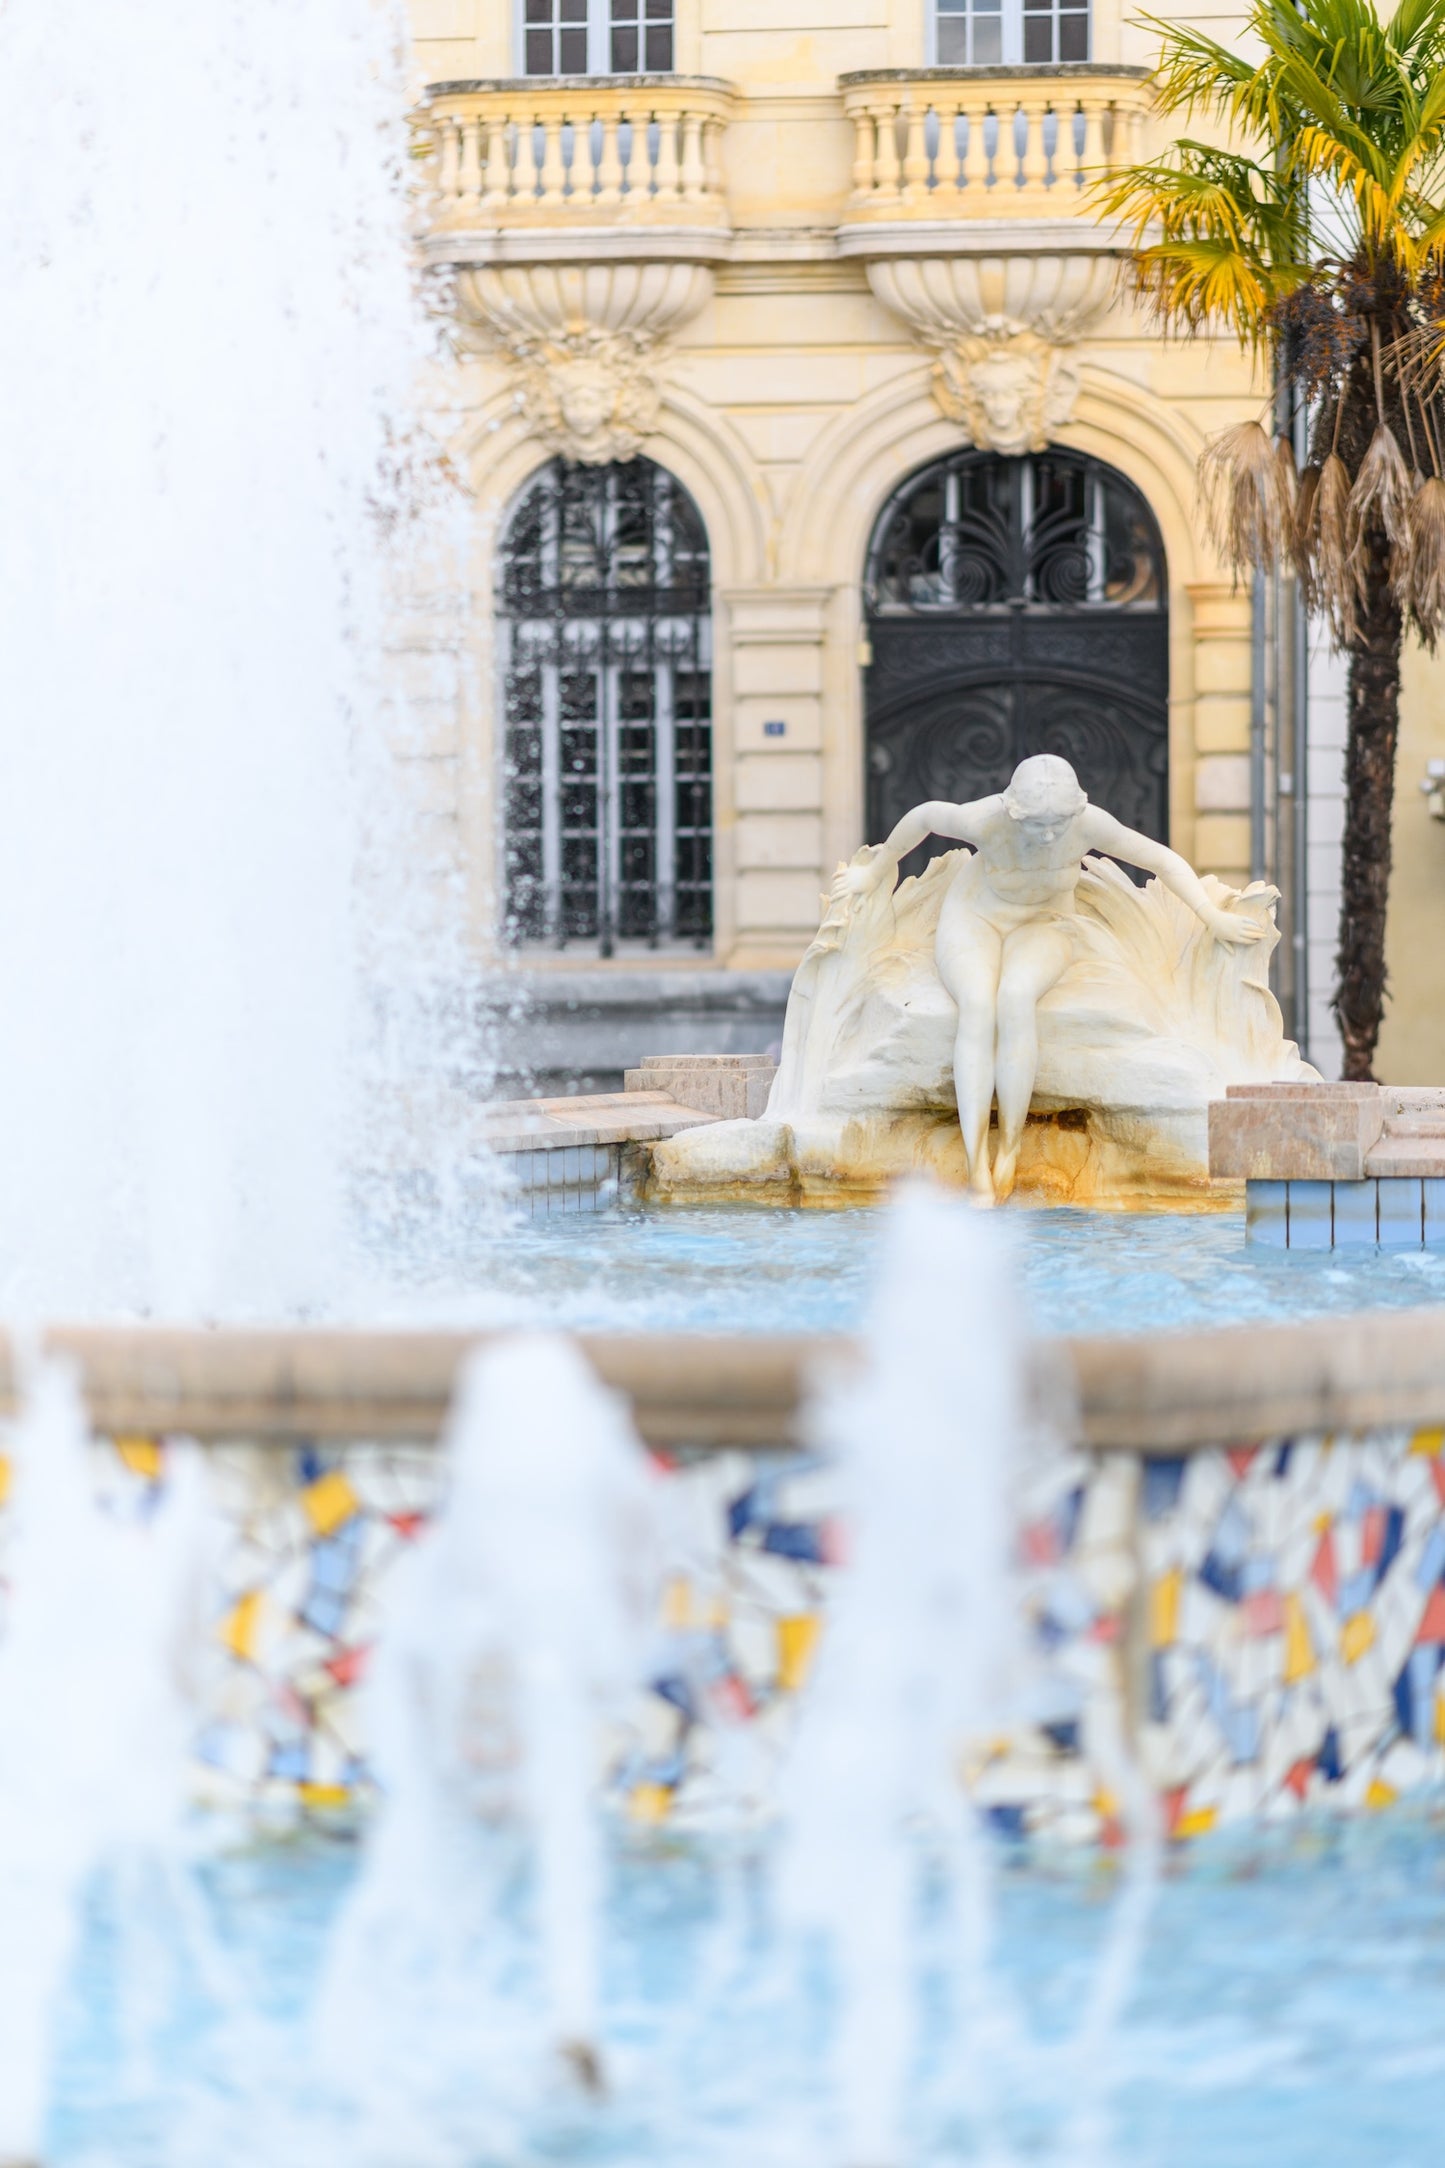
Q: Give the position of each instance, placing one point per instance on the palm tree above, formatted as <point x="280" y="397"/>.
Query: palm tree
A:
<point x="1321" y="243"/>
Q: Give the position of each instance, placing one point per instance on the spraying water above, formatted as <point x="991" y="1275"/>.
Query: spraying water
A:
<point x="104" y="1620"/>
<point x="922" y="1645"/>
<point x="516" y="1628"/>
<point x="208" y="343"/>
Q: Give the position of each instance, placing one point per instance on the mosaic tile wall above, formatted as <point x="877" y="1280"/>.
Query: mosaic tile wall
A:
<point x="1296" y="1625"/>
<point x="1271" y="1622"/>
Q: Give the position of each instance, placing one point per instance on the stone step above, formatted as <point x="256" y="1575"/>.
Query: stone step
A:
<point x="731" y="1087"/>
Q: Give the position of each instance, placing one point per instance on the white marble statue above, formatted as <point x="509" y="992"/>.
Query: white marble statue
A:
<point x="1008" y="931"/>
<point x="1102" y="1016"/>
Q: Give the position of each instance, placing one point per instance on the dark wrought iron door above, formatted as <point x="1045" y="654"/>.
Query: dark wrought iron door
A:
<point x="603" y="614"/>
<point x="1016" y="606"/>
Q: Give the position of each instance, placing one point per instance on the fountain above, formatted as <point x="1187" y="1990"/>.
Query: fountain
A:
<point x="230" y="1094"/>
<point x="514" y="1631"/>
<point x="210" y="349"/>
<point x="103" y="1642"/>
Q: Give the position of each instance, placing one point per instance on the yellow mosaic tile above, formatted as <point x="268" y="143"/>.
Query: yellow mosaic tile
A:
<point x="323" y="1796"/>
<point x="239" y="1628"/>
<point x="143" y="1457"/>
<point x="649" y="1802"/>
<point x="1164" y="1609"/>
<point x="1299" y="1656"/>
<point x="329" y="1502"/>
<point x="797" y="1640"/>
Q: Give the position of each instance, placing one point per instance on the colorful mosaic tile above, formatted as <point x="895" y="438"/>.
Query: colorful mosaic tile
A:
<point x="1270" y="1622"/>
<point x="1297" y="1625"/>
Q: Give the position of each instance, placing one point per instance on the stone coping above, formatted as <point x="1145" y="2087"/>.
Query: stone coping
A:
<point x="1149" y="1394"/>
<point x="1008" y="71"/>
<point x="1327" y="1132"/>
<point x="542" y="1125"/>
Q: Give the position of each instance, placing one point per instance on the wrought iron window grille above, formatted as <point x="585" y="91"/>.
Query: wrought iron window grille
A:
<point x="1047" y="531"/>
<point x="604" y="613"/>
<point x="1016" y="606"/>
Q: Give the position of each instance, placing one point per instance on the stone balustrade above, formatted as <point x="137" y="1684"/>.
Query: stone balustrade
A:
<point x="526" y="160"/>
<point x="947" y="143"/>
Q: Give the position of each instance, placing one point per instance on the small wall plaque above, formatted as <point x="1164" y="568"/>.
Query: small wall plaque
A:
<point x="775" y="730"/>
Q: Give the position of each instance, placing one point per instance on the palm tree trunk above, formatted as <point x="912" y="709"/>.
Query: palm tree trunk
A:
<point x="1373" y="728"/>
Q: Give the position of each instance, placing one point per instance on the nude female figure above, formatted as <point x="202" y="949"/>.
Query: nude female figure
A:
<point x="1006" y="933"/>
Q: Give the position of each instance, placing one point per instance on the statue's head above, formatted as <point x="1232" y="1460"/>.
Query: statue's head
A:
<point x="1044" y="791"/>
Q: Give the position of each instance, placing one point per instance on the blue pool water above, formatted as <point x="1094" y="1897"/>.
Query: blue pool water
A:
<point x="742" y="1269"/>
<point x="1290" y="2013"/>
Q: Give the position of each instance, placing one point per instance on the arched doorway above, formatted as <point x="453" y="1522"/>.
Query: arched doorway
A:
<point x="1016" y="606"/>
<point x="603" y="610"/>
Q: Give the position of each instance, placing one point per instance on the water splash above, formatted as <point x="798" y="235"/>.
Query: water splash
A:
<point x="921" y="1644"/>
<point x="515" y="1629"/>
<point x="99" y="1684"/>
<point x="209" y="345"/>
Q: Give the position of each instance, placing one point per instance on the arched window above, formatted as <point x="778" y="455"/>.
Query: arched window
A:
<point x="1017" y="606"/>
<point x="604" y="614"/>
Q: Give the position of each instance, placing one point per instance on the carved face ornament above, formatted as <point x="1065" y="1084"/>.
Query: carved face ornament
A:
<point x="585" y="395"/>
<point x="1003" y="384"/>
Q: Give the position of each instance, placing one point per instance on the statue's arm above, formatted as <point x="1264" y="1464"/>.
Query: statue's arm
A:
<point x="960" y="823"/>
<point x="1103" y="833"/>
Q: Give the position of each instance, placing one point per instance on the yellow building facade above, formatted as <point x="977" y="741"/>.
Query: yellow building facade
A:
<point x="817" y="457"/>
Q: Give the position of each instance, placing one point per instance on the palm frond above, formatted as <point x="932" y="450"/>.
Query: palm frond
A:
<point x="1245" y="498"/>
<point x="1333" y="582"/>
<point x="1419" y="561"/>
<point x="1381" y="494"/>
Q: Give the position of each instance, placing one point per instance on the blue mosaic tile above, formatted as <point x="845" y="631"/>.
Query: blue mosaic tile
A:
<point x="1264" y="1214"/>
<point x="1311" y="1215"/>
<point x="1401" y="1212"/>
<point x="1356" y="1215"/>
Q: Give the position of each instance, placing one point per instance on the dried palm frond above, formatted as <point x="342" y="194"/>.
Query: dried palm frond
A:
<point x="1381" y="493"/>
<point x="1302" y="534"/>
<point x="1242" y="494"/>
<point x="1419" y="561"/>
<point x="1288" y="475"/>
<point x="1333" y="578"/>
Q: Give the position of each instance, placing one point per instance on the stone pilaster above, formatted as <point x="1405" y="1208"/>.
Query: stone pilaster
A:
<point x="1221" y="730"/>
<point x="777" y="639"/>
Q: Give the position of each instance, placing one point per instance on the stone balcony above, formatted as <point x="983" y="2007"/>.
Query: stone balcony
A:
<point x="600" y="167"/>
<point x="585" y="218"/>
<point x="1009" y="147"/>
<point x="582" y="216"/>
<point x="972" y="214"/>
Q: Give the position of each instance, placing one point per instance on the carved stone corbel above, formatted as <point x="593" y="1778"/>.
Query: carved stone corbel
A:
<point x="586" y="345"/>
<point x="1002" y="330"/>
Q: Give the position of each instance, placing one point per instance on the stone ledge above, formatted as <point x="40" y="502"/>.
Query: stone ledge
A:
<point x="510" y="1126"/>
<point x="729" y="1087"/>
<point x="1139" y="1393"/>
<point x="1340" y="1133"/>
<point x="1294" y="1132"/>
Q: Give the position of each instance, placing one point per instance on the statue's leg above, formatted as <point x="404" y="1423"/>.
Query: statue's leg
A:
<point x="970" y="954"/>
<point x="1034" y="959"/>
